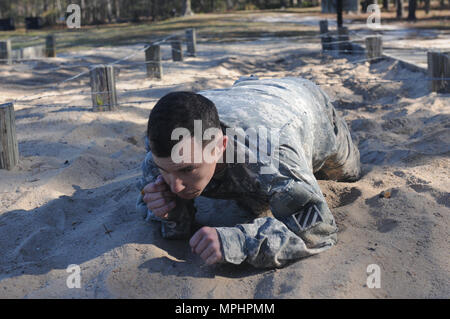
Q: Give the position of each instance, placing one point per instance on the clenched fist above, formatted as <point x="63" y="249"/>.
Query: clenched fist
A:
<point x="158" y="197"/>
<point x="206" y="243"/>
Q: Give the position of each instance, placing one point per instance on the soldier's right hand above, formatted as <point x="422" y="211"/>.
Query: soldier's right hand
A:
<point x="158" y="197"/>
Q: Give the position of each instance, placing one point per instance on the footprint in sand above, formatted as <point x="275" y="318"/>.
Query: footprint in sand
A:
<point x="337" y="196"/>
<point x="387" y="225"/>
<point x="55" y="218"/>
<point x="37" y="245"/>
<point x="441" y="197"/>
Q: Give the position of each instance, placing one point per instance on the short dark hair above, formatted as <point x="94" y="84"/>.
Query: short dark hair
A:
<point x="174" y="110"/>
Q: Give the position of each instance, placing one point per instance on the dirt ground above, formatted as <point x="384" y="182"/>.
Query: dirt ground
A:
<point x="71" y="199"/>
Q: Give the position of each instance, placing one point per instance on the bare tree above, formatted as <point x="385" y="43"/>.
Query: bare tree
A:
<point x="83" y="10"/>
<point x="399" y="4"/>
<point x="427" y="6"/>
<point x="117" y="7"/>
<point x="230" y="4"/>
<point x="109" y="10"/>
<point x="187" y="11"/>
<point x="412" y="5"/>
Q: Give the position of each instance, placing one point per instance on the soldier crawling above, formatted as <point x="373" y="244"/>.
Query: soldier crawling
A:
<point x="279" y="213"/>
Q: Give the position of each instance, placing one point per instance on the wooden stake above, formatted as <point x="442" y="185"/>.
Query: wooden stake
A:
<point x="177" y="50"/>
<point x="103" y="88"/>
<point x="343" y="45"/>
<point x="5" y="52"/>
<point x="9" y="150"/>
<point x="153" y="62"/>
<point x="191" y="42"/>
<point x="325" y="38"/>
<point x="50" y="46"/>
<point x="439" y="71"/>
<point x="374" y="48"/>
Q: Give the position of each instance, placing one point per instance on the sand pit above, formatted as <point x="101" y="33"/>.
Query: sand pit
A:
<point x="71" y="199"/>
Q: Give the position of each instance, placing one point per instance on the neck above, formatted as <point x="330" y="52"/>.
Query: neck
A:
<point x="221" y="166"/>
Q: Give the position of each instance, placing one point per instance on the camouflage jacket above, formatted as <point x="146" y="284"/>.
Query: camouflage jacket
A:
<point x="282" y="210"/>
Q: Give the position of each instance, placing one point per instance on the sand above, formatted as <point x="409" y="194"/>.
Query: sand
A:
<point x="71" y="199"/>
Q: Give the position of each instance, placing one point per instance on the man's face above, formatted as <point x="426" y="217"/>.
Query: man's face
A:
<point x="188" y="178"/>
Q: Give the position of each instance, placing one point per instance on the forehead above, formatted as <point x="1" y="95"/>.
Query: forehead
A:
<point x="182" y="155"/>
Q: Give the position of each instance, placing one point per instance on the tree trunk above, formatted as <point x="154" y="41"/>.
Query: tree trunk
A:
<point x="412" y="4"/>
<point x="339" y="8"/>
<point x="399" y="9"/>
<point x="154" y="10"/>
<point x="187" y="11"/>
<point x="427" y="6"/>
<point x="59" y="7"/>
<point x="83" y="10"/>
<point x="117" y="7"/>
<point x="109" y="10"/>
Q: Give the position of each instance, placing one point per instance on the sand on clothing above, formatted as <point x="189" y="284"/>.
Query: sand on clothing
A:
<point x="71" y="199"/>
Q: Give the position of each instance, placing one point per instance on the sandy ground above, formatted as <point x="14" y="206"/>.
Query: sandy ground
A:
<point x="71" y="200"/>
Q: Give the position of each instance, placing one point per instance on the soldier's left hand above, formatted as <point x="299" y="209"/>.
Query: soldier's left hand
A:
<point x="206" y="243"/>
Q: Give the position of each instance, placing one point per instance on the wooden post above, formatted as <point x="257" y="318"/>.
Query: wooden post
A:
<point x="343" y="45"/>
<point x="9" y="150"/>
<point x="191" y="42"/>
<point x="374" y="48"/>
<point x="153" y="62"/>
<point x="35" y="51"/>
<point x="103" y="88"/>
<point x="323" y="26"/>
<point x="324" y="36"/>
<point x="50" y="46"/>
<point x="439" y="71"/>
<point x="177" y="50"/>
<point x="5" y="52"/>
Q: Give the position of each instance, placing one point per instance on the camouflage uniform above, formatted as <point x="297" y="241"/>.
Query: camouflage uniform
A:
<point x="269" y="219"/>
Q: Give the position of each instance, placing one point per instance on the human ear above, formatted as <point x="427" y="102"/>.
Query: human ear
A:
<point x="224" y="142"/>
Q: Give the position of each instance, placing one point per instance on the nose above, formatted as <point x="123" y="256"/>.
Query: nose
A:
<point x="176" y="185"/>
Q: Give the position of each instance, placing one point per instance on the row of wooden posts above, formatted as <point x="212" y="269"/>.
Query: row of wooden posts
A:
<point x="6" y="52"/>
<point x="102" y="77"/>
<point x="152" y="53"/>
<point x="438" y="62"/>
<point x="340" y="42"/>
<point x="103" y="91"/>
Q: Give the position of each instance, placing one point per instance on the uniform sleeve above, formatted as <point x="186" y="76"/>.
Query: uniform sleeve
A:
<point x="267" y="243"/>
<point x="149" y="174"/>
<point x="302" y="224"/>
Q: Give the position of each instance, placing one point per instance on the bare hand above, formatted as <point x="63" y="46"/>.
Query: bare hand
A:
<point x="158" y="197"/>
<point x="206" y="243"/>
